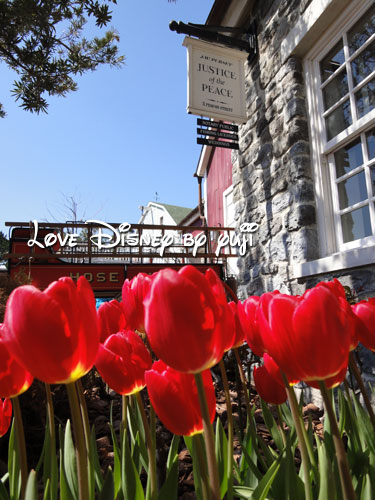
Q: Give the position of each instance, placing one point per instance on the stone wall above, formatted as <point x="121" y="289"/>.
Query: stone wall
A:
<point x="272" y="177"/>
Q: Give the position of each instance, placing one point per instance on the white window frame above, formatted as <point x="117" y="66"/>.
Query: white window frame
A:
<point x="335" y="254"/>
<point x="228" y="192"/>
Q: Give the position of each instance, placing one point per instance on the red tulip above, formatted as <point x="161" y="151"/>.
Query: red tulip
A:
<point x="239" y="337"/>
<point x="309" y="337"/>
<point x="14" y="379"/>
<point x="228" y="325"/>
<point x="54" y="333"/>
<point x="122" y="361"/>
<point x="336" y="287"/>
<point x="111" y="319"/>
<point x="247" y="316"/>
<point x="365" y="314"/>
<point x="268" y="388"/>
<point x="133" y="294"/>
<point x="186" y="319"/>
<point x="273" y="369"/>
<point x="332" y="381"/>
<point x="5" y="416"/>
<point x="174" y="397"/>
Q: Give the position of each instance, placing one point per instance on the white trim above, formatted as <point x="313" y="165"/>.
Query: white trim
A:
<point x="204" y="158"/>
<point x="335" y="262"/>
<point x="316" y="19"/>
<point x="226" y="193"/>
<point x="320" y="147"/>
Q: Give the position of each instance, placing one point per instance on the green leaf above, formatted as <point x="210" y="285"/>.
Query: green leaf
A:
<point x="261" y="491"/>
<point x="3" y="491"/>
<point x="47" y="490"/>
<point x="169" y="489"/>
<point x="190" y="442"/>
<point x="108" y="489"/>
<point x="135" y="425"/>
<point x="272" y="425"/>
<point x="70" y="461"/>
<point x="117" y="461"/>
<point x="367" y="492"/>
<point x="65" y="493"/>
<point x="173" y="451"/>
<point x="94" y="460"/>
<point x="131" y="484"/>
<point x="250" y="474"/>
<point x="244" y="491"/>
<point x="221" y="449"/>
<point x="13" y="466"/>
<point x="49" y="464"/>
<point x="327" y="484"/>
<point x="31" y="487"/>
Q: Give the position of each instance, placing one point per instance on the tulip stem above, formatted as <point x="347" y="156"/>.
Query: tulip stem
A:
<point x="202" y="465"/>
<point x="281" y="425"/>
<point x="124" y="400"/>
<point x="342" y="461"/>
<point x="209" y="438"/>
<point x="86" y="429"/>
<point x="20" y="437"/>
<point x="79" y="436"/>
<point x="52" y="437"/>
<point x="244" y="384"/>
<point x="355" y="370"/>
<point x="230" y="430"/>
<point x="150" y="448"/>
<point x="301" y="438"/>
<point x="84" y="414"/>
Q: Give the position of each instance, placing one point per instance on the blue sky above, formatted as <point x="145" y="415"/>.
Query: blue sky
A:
<point x="123" y="136"/>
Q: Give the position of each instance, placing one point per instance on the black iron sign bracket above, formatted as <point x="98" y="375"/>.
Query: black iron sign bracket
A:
<point x="213" y="34"/>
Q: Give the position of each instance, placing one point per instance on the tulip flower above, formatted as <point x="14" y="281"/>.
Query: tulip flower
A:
<point x="239" y="337"/>
<point x="133" y="294"/>
<point x="228" y="326"/>
<point x="336" y="287"/>
<point x="111" y="319"/>
<point x="268" y="388"/>
<point x="122" y="361"/>
<point x="186" y="319"/>
<point x="53" y="334"/>
<point x="247" y="316"/>
<point x="14" y="379"/>
<point x="174" y="396"/>
<point x="365" y="314"/>
<point x="273" y="369"/>
<point x="309" y="337"/>
<point x="5" y="416"/>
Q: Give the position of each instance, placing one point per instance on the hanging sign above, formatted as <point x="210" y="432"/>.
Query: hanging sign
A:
<point x="216" y="81"/>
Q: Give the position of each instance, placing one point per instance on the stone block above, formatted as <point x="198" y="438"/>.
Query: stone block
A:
<point x="300" y="216"/>
<point x="295" y="108"/>
<point x="304" y="245"/>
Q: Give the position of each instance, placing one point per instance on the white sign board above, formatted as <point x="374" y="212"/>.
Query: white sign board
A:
<point x="216" y="81"/>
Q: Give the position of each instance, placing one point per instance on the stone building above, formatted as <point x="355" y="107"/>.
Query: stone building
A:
<point x="305" y="170"/>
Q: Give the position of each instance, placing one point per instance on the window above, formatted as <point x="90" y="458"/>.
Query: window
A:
<point x="340" y="76"/>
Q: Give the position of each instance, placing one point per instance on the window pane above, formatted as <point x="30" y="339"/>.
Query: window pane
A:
<point x="338" y="120"/>
<point x="356" y="224"/>
<point x="352" y="190"/>
<point x="370" y="136"/>
<point x="348" y="158"/>
<point x="335" y="89"/>
<point x="362" y="30"/>
<point x="364" y="64"/>
<point x="373" y="180"/>
<point x="332" y="61"/>
<point x="365" y="99"/>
